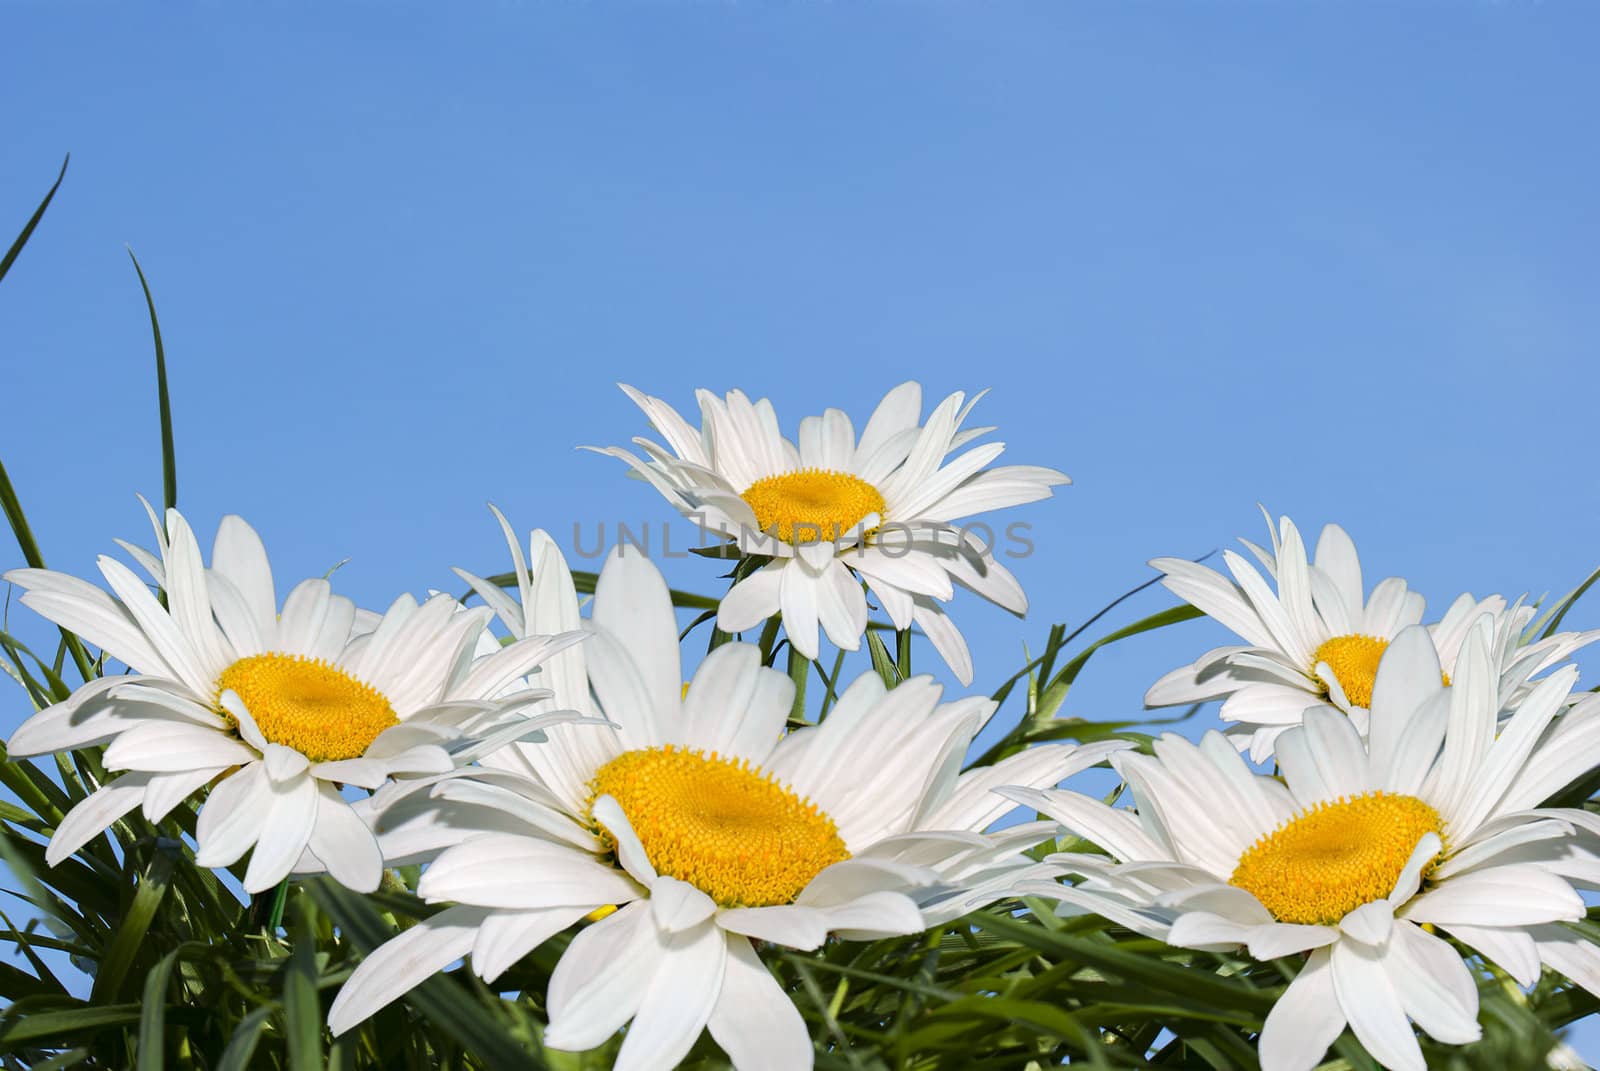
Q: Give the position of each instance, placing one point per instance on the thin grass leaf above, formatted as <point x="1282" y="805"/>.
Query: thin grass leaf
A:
<point x="302" y="1012"/>
<point x="58" y="1025"/>
<point x="1559" y="611"/>
<point x="169" y="456"/>
<point x="33" y="220"/>
<point x="125" y="945"/>
<point x="241" y="1049"/>
<point x="153" y="1019"/>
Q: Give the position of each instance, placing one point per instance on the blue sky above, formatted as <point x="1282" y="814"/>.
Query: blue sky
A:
<point x="1339" y="259"/>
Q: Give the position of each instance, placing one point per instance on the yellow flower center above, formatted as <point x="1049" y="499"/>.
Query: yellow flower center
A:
<point x="1354" y="661"/>
<point x="308" y="705"/>
<point x="1321" y="865"/>
<point x="723" y="826"/>
<point x="820" y="503"/>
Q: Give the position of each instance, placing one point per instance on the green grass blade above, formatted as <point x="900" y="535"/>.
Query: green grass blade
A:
<point x="302" y="1011"/>
<point x="153" y="1019"/>
<point x="30" y="554"/>
<point x="169" y="457"/>
<point x="1560" y="609"/>
<point x="135" y="927"/>
<point x="33" y="221"/>
<point x="584" y="583"/>
<point x="241" y="1048"/>
<point x="48" y="1026"/>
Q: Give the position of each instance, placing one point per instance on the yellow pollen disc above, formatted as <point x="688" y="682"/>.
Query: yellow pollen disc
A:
<point x="821" y="503"/>
<point x="308" y="705"/>
<point x="1321" y="865"/>
<point x="723" y="826"/>
<point x="1354" y="661"/>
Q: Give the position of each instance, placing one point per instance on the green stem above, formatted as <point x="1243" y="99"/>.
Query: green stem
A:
<point x="280" y="897"/>
<point x="769" y="636"/>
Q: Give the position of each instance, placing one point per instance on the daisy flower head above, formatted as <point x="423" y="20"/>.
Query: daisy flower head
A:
<point x="1317" y="638"/>
<point x="833" y="512"/>
<point x="1364" y="855"/>
<point x="273" y="709"/>
<point x="708" y="827"/>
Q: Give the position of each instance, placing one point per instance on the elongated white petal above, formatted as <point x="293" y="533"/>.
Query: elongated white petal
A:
<point x="754" y="1020"/>
<point x="677" y="1003"/>
<point x="791" y="925"/>
<point x="285" y="832"/>
<point x="1373" y="1008"/>
<point x="602" y="978"/>
<point x="170" y="746"/>
<point x="507" y="936"/>
<point x="342" y="842"/>
<point x="677" y="905"/>
<point x="94" y="813"/>
<point x="1305" y="1020"/>
<point x="166" y="791"/>
<point x="231" y="819"/>
<point x="401" y="964"/>
<point x="1435" y="987"/>
<point x="524" y="873"/>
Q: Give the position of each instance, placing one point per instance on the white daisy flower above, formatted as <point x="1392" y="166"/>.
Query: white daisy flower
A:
<point x="273" y="711"/>
<point x="1434" y="821"/>
<point x="1318" y="639"/>
<point x="709" y="827"/>
<point x="835" y="511"/>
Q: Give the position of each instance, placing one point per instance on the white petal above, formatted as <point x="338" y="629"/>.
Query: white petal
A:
<point x="841" y="607"/>
<point x="754" y="1020"/>
<point x="172" y="746"/>
<point x="753" y="599"/>
<point x="735" y="706"/>
<point x="507" y="936"/>
<point x="790" y="925"/>
<point x="92" y="815"/>
<point x="1304" y="1021"/>
<point x="231" y="819"/>
<point x="945" y="637"/>
<point x="1370" y="924"/>
<point x="80" y="607"/>
<point x="84" y="718"/>
<point x="630" y="851"/>
<point x="1408" y="678"/>
<point x="798" y="598"/>
<point x="401" y="964"/>
<point x="601" y="979"/>
<point x="285" y="832"/>
<point x="679" y="906"/>
<point x="1511" y="949"/>
<point x="875" y="916"/>
<point x="521" y="872"/>
<point x="1498" y="896"/>
<point x="633" y="607"/>
<point x="166" y="791"/>
<point x="239" y="555"/>
<point x="1276" y="939"/>
<point x="1435" y="987"/>
<point x="974" y="805"/>
<point x="677" y="1003"/>
<point x="342" y="842"/>
<point x="1373" y="1007"/>
<point x="283" y="763"/>
<point x="1218" y="596"/>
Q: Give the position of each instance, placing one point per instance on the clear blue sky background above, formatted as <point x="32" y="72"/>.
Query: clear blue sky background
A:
<point x="1338" y="258"/>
